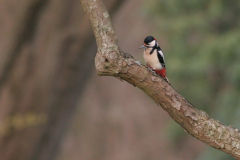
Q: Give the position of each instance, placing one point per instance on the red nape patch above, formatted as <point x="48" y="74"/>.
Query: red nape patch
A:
<point x="161" y="72"/>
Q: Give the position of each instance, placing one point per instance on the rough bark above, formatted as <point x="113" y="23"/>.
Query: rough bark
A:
<point x="111" y="61"/>
<point x="47" y="53"/>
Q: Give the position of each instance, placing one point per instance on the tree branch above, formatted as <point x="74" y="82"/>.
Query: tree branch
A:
<point x="111" y="61"/>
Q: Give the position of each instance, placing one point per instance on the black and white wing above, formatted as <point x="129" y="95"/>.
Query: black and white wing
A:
<point x="161" y="57"/>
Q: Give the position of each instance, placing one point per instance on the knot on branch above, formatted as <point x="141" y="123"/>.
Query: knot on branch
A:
<point x="107" y="61"/>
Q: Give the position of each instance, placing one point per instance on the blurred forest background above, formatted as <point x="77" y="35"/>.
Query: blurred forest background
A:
<point x="54" y="106"/>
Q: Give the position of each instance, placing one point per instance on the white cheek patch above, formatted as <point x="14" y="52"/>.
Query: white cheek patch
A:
<point x="152" y="43"/>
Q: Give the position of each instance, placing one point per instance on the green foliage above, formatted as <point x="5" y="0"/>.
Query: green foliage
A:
<point x="202" y="55"/>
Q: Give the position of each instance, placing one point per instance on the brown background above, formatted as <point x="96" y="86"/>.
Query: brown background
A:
<point x="53" y="104"/>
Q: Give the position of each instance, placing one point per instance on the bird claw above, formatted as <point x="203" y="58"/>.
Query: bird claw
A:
<point x="151" y="69"/>
<point x="154" y="70"/>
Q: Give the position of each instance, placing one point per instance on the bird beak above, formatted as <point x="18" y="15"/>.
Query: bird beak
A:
<point x="142" y="46"/>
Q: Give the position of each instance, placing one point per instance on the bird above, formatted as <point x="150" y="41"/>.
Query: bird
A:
<point x="154" y="57"/>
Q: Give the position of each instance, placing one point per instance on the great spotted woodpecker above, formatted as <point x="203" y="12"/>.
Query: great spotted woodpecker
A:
<point x="154" y="57"/>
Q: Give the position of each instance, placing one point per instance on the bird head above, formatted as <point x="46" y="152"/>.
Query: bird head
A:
<point x="149" y="42"/>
